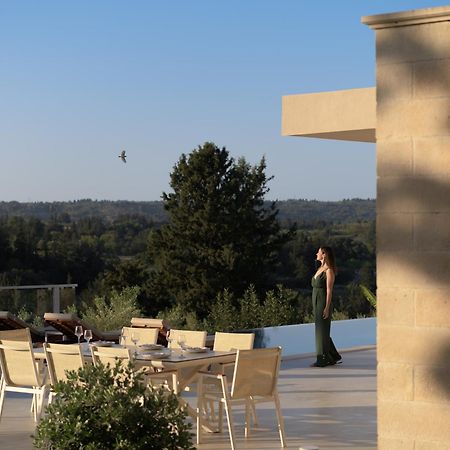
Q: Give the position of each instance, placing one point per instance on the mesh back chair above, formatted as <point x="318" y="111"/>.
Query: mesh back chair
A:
<point x="60" y="359"/>
<point x="226" y="342"/>
<point x="109" y="355"/>
<point x="160" y="324"/>
<point x="255" y="379"/>
<point x="192" y="338"/>
<point x="9" y="321"/>
<point x="146" y="335"/>
<point x="19" y="371"/>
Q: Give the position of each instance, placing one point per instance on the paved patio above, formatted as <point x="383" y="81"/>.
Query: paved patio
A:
<point x="330" y="408"/>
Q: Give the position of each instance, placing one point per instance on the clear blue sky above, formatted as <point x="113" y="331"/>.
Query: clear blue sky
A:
<point x="81" y="80"/>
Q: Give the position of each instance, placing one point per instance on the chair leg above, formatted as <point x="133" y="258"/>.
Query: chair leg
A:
<point x="2" y="396"/>
<point x="247" y="417"/>
<point x="33" y="403"/>
<point x="200" y="406"/>
<point x="280" y="419"/>
<point x="220" y="419"/>
<point x="40" y="408"/>
<point x="50" y="397"/>
<point x="226" y="399"/>
<point x="253" y="411"/>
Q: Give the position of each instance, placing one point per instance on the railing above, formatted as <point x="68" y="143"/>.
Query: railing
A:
<point x="56" y="288"/>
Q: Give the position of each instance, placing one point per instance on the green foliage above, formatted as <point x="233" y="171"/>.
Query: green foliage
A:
<point x="279" y="307"/>
<point x="103" y="408"/>
<point x="339" y="315"/>
<point x="102" y="245"/>
<point x="293" y="210"/>
<point x="369" y="295"/>
<point x="180" y="318"/>
<point x="114" y="313"/>
<point x="220" y="233"/>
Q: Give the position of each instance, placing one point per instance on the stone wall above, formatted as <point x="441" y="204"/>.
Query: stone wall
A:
<point x="413" y="228"/>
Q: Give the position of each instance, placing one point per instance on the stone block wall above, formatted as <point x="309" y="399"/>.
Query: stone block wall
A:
<point x="413" y="228"/>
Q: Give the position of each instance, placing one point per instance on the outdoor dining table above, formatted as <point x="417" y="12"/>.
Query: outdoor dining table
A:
<point x="187" y="365"/>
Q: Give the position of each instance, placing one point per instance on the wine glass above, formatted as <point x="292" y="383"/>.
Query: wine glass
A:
<point x="88" y="335"/>
<point x="135" y="340"/>
<point x="79" y="332"/>
<point x="181" y="340"/>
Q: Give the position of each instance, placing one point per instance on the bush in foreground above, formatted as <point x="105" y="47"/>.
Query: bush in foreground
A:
<point x="106" y="408"/>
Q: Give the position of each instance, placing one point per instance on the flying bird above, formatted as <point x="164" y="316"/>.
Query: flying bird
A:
<point x="123" y="156"/>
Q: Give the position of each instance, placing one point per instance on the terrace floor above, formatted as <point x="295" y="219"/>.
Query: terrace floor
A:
<point x="327" y="408"/>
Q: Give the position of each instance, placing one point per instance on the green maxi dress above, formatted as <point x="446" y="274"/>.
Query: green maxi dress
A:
<point x="325" y="350"/>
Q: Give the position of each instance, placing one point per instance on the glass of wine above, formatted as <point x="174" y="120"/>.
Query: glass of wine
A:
<point x="135" y="340"/>
<point x="78" y="332"/>
<point x="181" y="340"/>
<point x="88" y="335"/>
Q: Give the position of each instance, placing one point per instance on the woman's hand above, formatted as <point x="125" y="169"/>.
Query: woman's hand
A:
<point x="326" y="312"/>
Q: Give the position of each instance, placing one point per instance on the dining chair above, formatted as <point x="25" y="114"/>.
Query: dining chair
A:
<point x="255" y="379"/>
<point x="161" y="325"/>
<point x="62" y="358"/>
<point x="145" y="335"/>
<point x="109" y="355"/>
<point x="192" y="338"/>
<point x="233" y="341"/>
<point x="20" y="373"/>
<point x="226" y="342"/>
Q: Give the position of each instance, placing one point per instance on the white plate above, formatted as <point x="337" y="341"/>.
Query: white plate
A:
<point x="151" y="347"/>
<point x="103" y="343"/>
<point x="196" y="349"/>
<point x="153" y="355"/>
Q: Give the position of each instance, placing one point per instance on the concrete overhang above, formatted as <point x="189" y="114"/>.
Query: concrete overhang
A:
<point x="348" y="115"/>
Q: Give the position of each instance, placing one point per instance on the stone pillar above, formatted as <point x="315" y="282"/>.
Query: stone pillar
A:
<point x="413" y="228"/>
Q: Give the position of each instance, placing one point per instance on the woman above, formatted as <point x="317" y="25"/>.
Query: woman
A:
<point x="322" y="284"/>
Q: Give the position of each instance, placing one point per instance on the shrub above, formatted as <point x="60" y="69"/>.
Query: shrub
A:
<point x="223" y="316"/>
<point x="179" y="318"/>
<point x="279" y="307"/>
<point x="103" y="408"/>
<point x="114" y="313"/>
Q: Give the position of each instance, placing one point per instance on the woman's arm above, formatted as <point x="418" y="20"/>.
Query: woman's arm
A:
<point x="330" y="284"/>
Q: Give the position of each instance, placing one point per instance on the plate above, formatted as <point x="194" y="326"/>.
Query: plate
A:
<point x="151" y="347"/>
<point x="196" y="349"/>
<point x="153" y="355"/>
<point x="103" y="343"/>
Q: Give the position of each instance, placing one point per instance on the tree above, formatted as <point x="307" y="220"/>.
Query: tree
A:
<point x="220" y="233"/>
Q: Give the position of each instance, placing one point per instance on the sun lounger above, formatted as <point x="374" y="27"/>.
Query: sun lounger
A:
<point x="9" y="321"/>
<point x="66" y="323"/>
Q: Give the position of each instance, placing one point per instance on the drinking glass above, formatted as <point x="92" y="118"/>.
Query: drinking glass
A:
<point x="78" y="332"/>
<point x="135" y="340"/>
<point x="181" y="342"/>
<point x="88" y="335"/>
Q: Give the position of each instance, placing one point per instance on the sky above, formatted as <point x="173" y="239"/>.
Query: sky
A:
<point x="82" y="80"/>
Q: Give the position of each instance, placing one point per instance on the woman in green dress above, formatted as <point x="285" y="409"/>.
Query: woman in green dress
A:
<point x="322" y="293"/>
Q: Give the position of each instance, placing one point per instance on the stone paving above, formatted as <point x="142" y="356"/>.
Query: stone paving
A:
<point x="327" y="408"/>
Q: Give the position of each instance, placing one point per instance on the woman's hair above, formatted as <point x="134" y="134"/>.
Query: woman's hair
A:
<point x="331" y="261"/>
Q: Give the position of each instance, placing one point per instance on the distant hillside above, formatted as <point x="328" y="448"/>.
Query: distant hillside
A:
<point x="301" y="211"/>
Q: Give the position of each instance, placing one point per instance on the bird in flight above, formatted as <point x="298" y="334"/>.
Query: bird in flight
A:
<point x="123" y="156"/>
